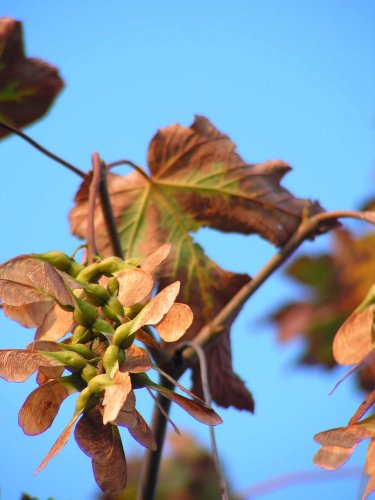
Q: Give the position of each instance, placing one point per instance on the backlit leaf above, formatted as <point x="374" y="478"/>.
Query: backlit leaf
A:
<point x="175" y="323"/>
<point x="136" y="360"/>
<point x="135" y="285"/>
<point x="142" y="432"/>
<point x="16" y="365"/>
<point x="93" y="437"/>
<point x="198" y="180"/>
<point x="28" y="86"/>
<point x="115" y="395"/>
<point x="332" y="457"/>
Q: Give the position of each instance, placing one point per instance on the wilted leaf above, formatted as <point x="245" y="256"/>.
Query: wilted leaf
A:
<point x="175" y="323"/>
<point x="355" y="339"/>
<point x="28" y="86"/>
<point x="42" y="405"/>
<point x="135" y="285"/>
<point x="127" y="415"/>
<point x="115" y="395"/>
<point x="142" y="432"/>
<point x="346" y="437"/>
<point x="59" y="444"/>
<point x="111" y="474"/>
<point x="198" y="180"/>
<point x="332" y="457"/>
<point x="198" y="410"/>
<point x="16" y="365"/>
<point x="136" y="360"/>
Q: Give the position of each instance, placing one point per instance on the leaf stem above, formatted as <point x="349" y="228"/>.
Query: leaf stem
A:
<point x="207" y="397"/>
<point x="93" y="192"/>
<point x="130" y="164"/>
<point x="43" y="150"/>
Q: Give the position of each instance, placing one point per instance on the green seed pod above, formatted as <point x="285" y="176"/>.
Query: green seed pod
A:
<point x="131" y="312"/>
<point x="111" y="265"/>
<point x="122" y="333"/>
<point x="89" y="273"/>
<point x="103" y="327"/>
<point x="113" y="286"/>
<point x="110" y="359"/>
<point x="88" y="373"/>
<point x="84" y="400"/>
<point x="56" y="258"/>
<point x="113" y="309"/>
<point x="74" y="269"/>
<point x="84" y="313"/>
<point x="81" y="335"/>
<point x="99" y="383"/>
<point x="140" y="380"/>
<point x="81" y="349"/>
<point x="96" y="294"/>
<point x="72" y="360"/>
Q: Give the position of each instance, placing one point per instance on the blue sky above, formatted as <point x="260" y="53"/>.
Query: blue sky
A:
<point x="285" y="79"/>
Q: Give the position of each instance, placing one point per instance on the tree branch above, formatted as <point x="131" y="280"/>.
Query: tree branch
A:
<point x="93" y="191"/>
<point x="43" y="150"/>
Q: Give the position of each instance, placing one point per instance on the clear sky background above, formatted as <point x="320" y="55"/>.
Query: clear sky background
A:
<point x="285" y="79"/>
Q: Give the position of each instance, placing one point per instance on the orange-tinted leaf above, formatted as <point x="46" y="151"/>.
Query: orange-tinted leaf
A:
<point x="142" y="432"/>
<point x="93" y="437"/>
<point x="135" y="285"/>
<point x="197" y="180"/>
<point x="199" y="411"/>
<point x="332" y="457"/>
<point x="175" y="323"/>
<point x="154" y="259"/>
<point x="345" y="437"/>
<point x="28" y="86"/>
<point x="127" y="415"/>
<point x="41" y="407"/>
<point x="354" y="340"/>
<point x="136" y="360"/>
<point x="16" y="365"/>
<point x="59" y="444"/>
<point x="115" y="395"/>
<point x="28" y="315"/>
<point x="111" y="474"/>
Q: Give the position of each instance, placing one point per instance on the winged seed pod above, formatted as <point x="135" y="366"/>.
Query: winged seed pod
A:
<point x="100" y="309"/>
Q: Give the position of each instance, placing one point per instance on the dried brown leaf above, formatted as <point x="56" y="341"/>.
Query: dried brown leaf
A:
<point x="41" y="407"/>
<point x="115" y="395"/>
<point x="136" y="360"/>
<point x="56" y="324"/>
<point x="355" y="339"/>
<point x="332" y="457"/>
<point x="345" y="437"/>
<point x="363" y="408"/>
<point x="147" y="339"/>
<point x="126" y="416"/>
<point x="135" y="285"/>
<point x="28" y="315"/>
<point x="28" y="86"/>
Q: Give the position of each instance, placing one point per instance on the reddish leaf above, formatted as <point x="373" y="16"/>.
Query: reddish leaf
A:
<point x="127" y="415"/>
<point x="41" y="407"/>
<point x="157" y="257"/>
<point x="175" y="323"/>
<point x="370" y="458"/>
<point x="16" y="365"/>
<point x="142" y="432"/>
<point x="28" y="86"/>
<point x="346" y="437"/>
<point x="136" y="360"/>
<point x="147" y="339"/>
<point x="56" y="324"/>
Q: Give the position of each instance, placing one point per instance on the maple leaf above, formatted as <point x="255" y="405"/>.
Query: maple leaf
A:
<point x="336" y="283"/>
<point x="198" y="180"/>
<point x="28" y="86"/>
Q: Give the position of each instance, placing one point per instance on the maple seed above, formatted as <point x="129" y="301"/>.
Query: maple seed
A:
<point x="113" y="286"/>
<point x="56" y="258"/>
<point x="99" y="383"/>
<point x="96" y="294"/>
<point x="84" y="313"/>
<point x="72" y="360"/>
<point x="88" y="373"/>
<point x="81" y="335"/>
<point x="111" y="358"/>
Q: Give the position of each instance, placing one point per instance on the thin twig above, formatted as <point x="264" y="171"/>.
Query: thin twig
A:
<point x="93" y="192"/>
<point x="43" y="150"/>
<point x="130" y="164"/>
<point x="292" y="478"/>
<point x="108" y="216"/>
<point x="207" y="397"/>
